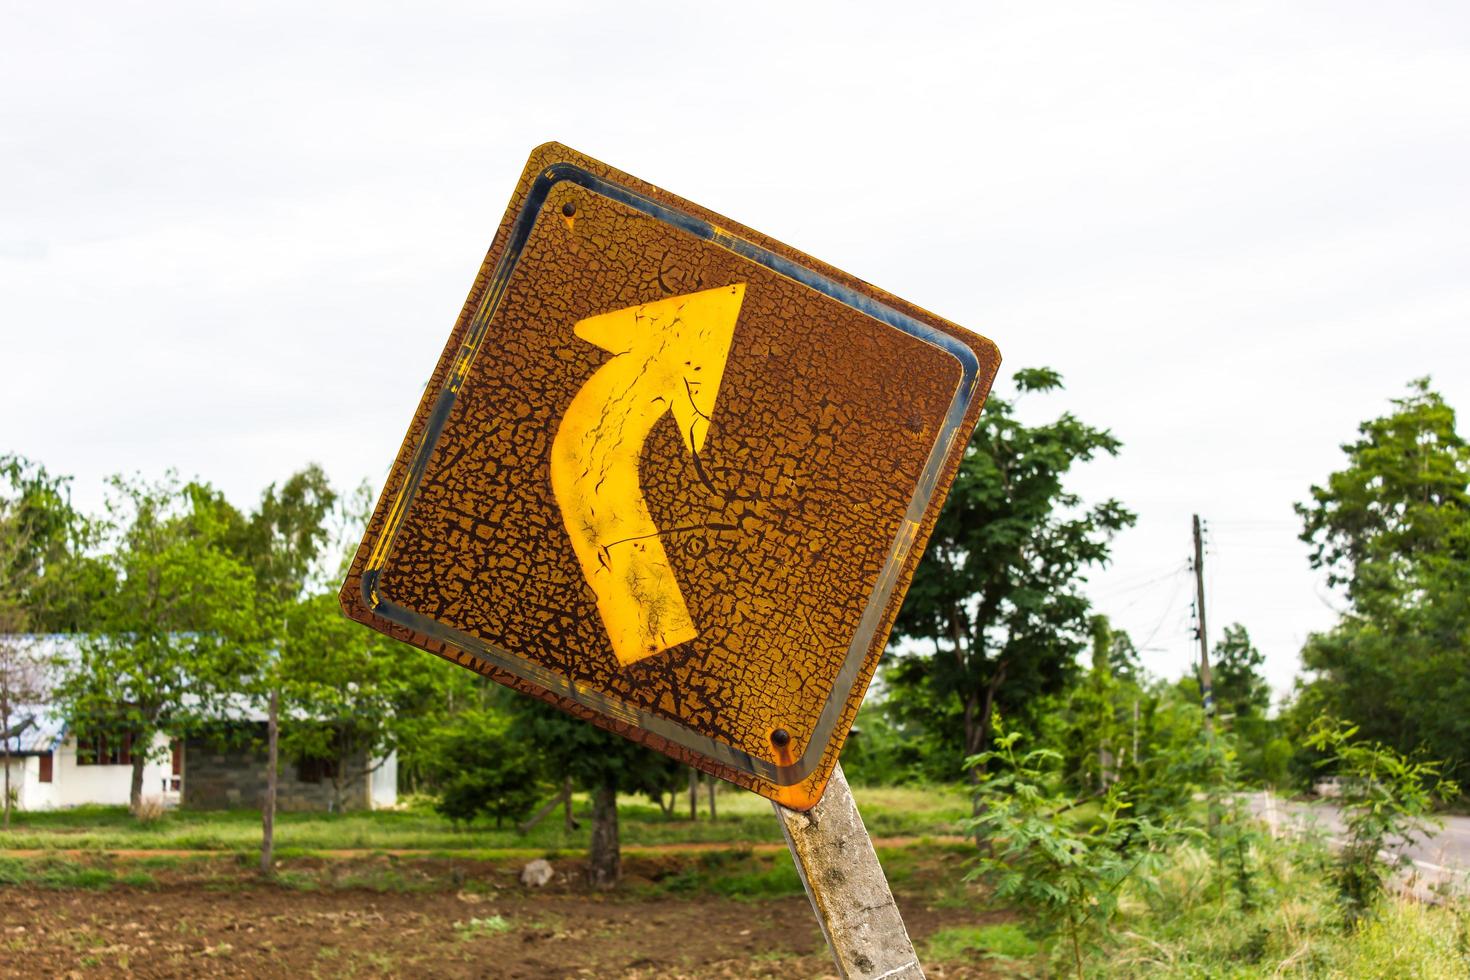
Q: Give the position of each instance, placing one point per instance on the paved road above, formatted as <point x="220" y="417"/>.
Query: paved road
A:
<point x="1441" y="857"/>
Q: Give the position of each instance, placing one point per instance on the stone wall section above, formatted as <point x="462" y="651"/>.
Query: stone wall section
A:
<point x="219" y="776"/>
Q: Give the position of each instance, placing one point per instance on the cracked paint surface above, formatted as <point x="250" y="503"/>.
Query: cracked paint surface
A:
<point x="825" y="420"/>
<point x="668" y="359"/>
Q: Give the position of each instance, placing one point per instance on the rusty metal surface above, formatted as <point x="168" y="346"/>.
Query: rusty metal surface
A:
<point x="671" y="476"/>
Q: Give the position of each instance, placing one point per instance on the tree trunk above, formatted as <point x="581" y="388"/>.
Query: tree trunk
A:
<point x="268" y="807"/>
<point x="712" y="814"/>
<point x="135" y="794"/>
<point x="977" y="732"/>
<point x="604" y="865"/>
<point x="566" y="795"/>
<point x="987" y="710"/>
<point x="5" y="735"/>
<point x="972" y="737"/>
<point x="5" y="727"/>
<point x="693" y="793"/>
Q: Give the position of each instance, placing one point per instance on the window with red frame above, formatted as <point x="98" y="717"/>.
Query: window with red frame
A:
<point x="105" y="750"/>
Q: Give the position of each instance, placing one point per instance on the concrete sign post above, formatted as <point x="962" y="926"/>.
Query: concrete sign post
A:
<point x="671" y="476"/>
<point x="847" y="888"/>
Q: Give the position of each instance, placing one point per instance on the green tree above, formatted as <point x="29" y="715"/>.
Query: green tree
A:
<point x="879" y="752"/>
<point x="283" y="542"/>
<point x="1123" y="658"/>
<point x="1243" y="698"/>
<point x="346" y="691"/>
<point x="175" y="630"/>
<point x="1384" y="525"/>
<point x="46" y="574"/>
<point x="1240" y="688"/>
<point x="1095" y="740"/>
<point x="1392" y="529"/>
<point x="449" y="698"/>
<point x="481" y="768"/>
<point x="600" y="762"/>
<point x="20" y="674"/>
<point x="43" y="585"/>
<point x="995" y="608"/>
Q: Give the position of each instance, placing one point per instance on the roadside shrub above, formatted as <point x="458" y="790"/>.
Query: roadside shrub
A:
<point x="1386" y="798"/>
<point x="1276" y="762"/>
<point x="149" y="809"/>
<point x="1065" y="874"/>
<point x="482" y="769"/>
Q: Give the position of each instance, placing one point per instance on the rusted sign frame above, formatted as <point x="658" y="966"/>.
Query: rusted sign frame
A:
<point x="365" y="599"/>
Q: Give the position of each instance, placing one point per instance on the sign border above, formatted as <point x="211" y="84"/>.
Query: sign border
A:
<point x="973" y="385"/>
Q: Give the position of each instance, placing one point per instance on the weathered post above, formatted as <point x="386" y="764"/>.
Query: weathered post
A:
<point x="268" y="807"/>
<point x="848" y="890"/>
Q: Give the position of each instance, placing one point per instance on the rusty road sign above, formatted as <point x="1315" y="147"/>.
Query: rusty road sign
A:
<point x="671" y="476"/>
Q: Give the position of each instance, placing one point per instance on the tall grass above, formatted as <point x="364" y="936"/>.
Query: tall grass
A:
<point x="1182" y="923"/>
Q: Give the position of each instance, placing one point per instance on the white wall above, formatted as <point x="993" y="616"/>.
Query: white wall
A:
<point x="383" y="788"/>
<point x="18" y="782"/>
<point x="73" y="785"/>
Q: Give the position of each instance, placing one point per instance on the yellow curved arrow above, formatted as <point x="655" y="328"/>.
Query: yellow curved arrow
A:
<point x="669" y="356"/>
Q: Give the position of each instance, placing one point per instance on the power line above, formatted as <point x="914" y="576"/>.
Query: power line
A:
<point x="1168" y="608"/>
<point x="1178" y="576"/>
<point x="1113" y="593"/>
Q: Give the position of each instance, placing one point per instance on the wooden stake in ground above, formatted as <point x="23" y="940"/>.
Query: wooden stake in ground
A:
<point x="847" y="888"/>
<point x="268" y="808"/>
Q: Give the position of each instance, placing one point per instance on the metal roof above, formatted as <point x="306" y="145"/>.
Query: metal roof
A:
<point x="33" y="730"/>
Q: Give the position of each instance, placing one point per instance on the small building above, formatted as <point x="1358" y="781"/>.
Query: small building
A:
<point x="225" y="773"/>
<point x="49" y="769"/>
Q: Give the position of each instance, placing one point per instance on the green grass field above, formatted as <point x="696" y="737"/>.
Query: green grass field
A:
<point x="1184" y="921"/>
<point x="743" y="818"/>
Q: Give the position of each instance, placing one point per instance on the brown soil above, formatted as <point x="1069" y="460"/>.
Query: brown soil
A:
<point x="382" y="916"/>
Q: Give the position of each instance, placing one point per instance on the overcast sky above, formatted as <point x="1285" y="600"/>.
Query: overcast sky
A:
<point x="233" y="241"/>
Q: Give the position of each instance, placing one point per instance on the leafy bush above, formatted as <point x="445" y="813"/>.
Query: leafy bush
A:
<point x="1386" y="798"/>
<point x="482" y="769"/>
<point x="1066" y="875"/>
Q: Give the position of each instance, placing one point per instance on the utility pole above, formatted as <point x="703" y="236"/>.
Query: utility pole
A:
<point x="1205" y="684"/>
